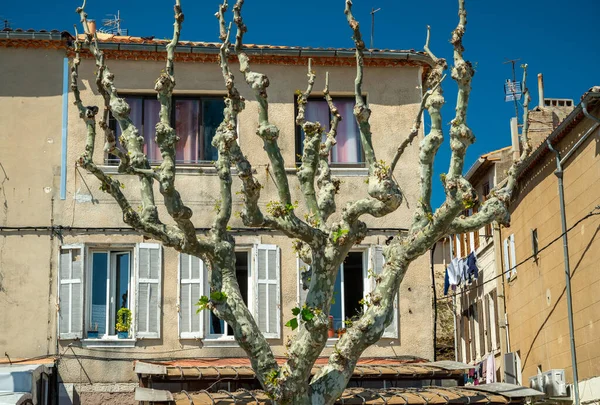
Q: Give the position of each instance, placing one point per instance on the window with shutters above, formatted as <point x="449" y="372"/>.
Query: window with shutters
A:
<point x="258" y="276"/>
<point x="510" y="257"/>
<point x="109" y="289"/>
<point x="356" y="278"/>
<point x="95" y="282"/>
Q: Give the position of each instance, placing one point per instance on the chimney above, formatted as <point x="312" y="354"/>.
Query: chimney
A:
<point x="92" y="26"/>
<point x="541" y="90"/>
<point x="514" y="137"/>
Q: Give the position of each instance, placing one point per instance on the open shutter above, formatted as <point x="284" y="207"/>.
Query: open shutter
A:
<point x="148" y="292"/>
<point x="302" y="293"/>
<point x="266" y="290"/>
<point x="377" y="261"/>
<point x="70" y="292"/>
<point x="513" y="254"/>
<point x="191" y="282"/>
<point x="506" y="260"/>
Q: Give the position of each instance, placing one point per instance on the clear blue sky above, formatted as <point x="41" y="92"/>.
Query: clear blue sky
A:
<point x="555" y="37"/>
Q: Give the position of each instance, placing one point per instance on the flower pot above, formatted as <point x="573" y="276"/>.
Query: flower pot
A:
<point x="330" y="331"/>
<point x="92" y="334"/>
<point x="122" y="335"/>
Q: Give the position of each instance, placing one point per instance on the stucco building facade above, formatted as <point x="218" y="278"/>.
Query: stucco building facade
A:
<point x="536" y="297"/>
<point x="68" y="263"/>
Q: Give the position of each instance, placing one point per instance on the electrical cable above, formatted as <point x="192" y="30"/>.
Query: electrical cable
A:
<point x="590" y="214"/>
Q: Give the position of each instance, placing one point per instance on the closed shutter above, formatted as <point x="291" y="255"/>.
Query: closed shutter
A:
<point x="70" y="292"/>
<point x="302" y="293"/>
<point x="266" y="290"/>
<point x="191" y="282"/>
<point x="506" y="260"/>
<point x="377" y="262"/>
<point x="148" y="292"/>
<point x="513" y="254"/>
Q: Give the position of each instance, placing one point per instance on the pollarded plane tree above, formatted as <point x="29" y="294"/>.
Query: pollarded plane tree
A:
<point x="322" y="242"/>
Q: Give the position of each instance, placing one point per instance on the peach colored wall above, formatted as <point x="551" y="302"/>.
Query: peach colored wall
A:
<point x="536" y="304"/>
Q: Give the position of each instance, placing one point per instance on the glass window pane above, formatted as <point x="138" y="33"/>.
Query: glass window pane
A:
<point x="151" y="117"/>
<point x="99" y="292"/>
<point x="336" y="307"/>
<point x="212" y="116"/>
<point x="348" y="148"/>
<point x="187" y="115"/>
<point x="353" y="284"/>
<point x="122" y="281"/>
<point x="217" y="326"/>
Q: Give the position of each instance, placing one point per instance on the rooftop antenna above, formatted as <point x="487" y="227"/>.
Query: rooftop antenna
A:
<point x="373" y="11"/>
<point x="5" y="23"/>
<point x="113" y="25"/>
<point x="512" y="89"/>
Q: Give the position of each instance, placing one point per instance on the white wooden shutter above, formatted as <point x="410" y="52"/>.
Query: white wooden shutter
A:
<point x="302" y="293"/>
<point x="266" y="290"/>
<point x="70" y="291"/>
<point x="191" y="283"/>
<point x="513" y="254"/>
<point x="148" y="291"/>
<point x="377" y="261"/>
<point x="506" y="260"/>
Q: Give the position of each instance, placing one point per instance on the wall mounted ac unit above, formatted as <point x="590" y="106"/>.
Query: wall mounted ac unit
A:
<point x="551" y="382"/>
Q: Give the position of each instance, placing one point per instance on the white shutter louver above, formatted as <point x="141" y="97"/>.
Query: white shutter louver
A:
<point x="70" y="291"/>
<point x="513" y="254"/>
<point x="506" y="261"/>
<point x="191" y="282"/>
<point x="377" y="262"/>
<point x="148" y="294"/>
<point x="266" y="283"/>
<point x="302" y="293"/>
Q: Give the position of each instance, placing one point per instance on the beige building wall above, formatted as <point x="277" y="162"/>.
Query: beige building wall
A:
<point x="28" y="297"/>
<point x="535" y="295"/>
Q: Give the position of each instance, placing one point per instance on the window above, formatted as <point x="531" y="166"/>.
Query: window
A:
<point x="196" y="121"/>
<point x="534" y="244"/>
<point x="109" y="289"/>
<point x="352" y="284"/>
<point x="348" y="149"/>
<point x="257" y="272"/>
<point x="115" y="278"/>
<point x="510" y="257"/>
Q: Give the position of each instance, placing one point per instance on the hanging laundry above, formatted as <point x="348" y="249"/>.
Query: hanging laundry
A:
<point x="471" y="267"/>
<point x="456" y="270"/>
<point x="446" y="282"/>
<point x="490" y="369"/>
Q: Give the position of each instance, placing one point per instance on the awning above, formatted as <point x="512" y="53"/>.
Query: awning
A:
<point x="391" y="396"/>
<point x="239" y="368"/>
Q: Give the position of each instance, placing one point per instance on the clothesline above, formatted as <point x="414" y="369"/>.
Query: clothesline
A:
<point x="459" y="271"/>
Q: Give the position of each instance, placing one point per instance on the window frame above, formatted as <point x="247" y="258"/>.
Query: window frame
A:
<point x="298" y="134"/>
<point x="215" y="337"/>
<point x="111" y="250"/>
<point x="172" y="120"/>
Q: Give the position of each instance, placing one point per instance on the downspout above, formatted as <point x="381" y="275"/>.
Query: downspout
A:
<point x="435" y="311"/>
<point x="451" y="240"/>
<point x="65" y="123"/>
<point x="561" y="194"/>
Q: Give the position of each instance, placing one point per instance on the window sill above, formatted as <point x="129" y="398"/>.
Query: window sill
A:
<point x="108" y="342"/>
<point x="192" y="170"/>
<point x="357" y="171"/>
<point x="229" y="342"/>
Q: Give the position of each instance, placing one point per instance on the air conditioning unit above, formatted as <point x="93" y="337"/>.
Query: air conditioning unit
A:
<point x="554" y="383"/>
<point x="551" y="382"/>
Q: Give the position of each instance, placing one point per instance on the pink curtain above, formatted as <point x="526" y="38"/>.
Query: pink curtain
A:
<point x="188" y="129"/>
<point x="348" y="148"/>
<point x="151" y="117"/>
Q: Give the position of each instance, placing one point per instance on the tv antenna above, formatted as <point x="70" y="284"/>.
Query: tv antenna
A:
<point x="5" y="23"/>
<point x="373" y="11"/>
<point x="113" y="25"/>
<point x="512" y="89"/>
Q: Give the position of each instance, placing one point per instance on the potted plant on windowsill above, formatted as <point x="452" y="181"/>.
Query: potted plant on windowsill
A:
<point x="123" y="323"/>
<point x="93" y="332"/>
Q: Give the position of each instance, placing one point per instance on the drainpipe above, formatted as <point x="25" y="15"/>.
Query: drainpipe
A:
<point x="587" y="113"/>
<point x="435" y="310"/>
<point x="561" y="194"/>
<point x="65" y="122"/>
<point x="451" y="240"/>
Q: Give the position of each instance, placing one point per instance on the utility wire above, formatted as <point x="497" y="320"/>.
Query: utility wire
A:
<point x="590" y="214"/>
